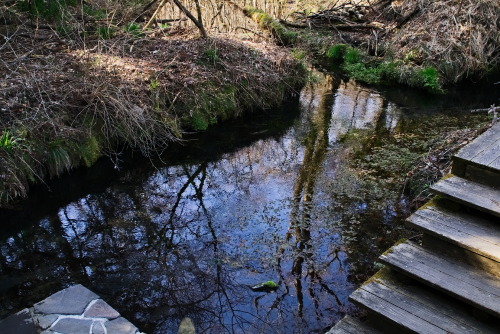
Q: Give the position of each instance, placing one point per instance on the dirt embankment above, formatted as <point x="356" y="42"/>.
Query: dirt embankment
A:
<point x="67" y="100"/>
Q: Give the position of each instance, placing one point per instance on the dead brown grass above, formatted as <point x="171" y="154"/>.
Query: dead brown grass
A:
<point x="459" y="37"/>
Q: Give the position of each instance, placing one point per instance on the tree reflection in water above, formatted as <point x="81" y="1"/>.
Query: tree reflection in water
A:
<point x="189" y="239"/>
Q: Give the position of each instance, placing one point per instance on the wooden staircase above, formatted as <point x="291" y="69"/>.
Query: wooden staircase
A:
<point x="451" y="282"/>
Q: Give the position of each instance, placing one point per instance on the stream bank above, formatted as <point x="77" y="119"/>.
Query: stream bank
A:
<point x="428" y="45"/>
<point x="68" y="100"/>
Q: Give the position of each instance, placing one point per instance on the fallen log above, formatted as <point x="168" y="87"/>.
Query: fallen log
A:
<point x="342" y="26"/>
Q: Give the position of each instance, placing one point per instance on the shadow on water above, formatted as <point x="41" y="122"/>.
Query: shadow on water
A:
<point x="268" y="197"/>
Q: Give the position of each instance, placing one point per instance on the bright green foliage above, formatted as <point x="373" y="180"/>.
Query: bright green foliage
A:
<point x="336" y="52"/>
<point x="270" y="284"/>
<point x="429" y="77"/>
<point x="362" y="72"/>
<point x="7" y="141"/>
<point x="371" y="71"/>
<point x="352" y="56"/>
<point x="298" y="54"/>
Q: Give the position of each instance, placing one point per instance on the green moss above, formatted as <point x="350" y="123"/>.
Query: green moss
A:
<point x="283" y="35"/>
<point x="270" y="284"/>
<point x="213" y="104"/>
<point x="90" y="151"/>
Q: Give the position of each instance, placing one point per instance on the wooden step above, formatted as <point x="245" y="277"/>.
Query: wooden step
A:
<point x="483" y="152"/>
<point x="416" y="308"/>
<point x="478" y="235"/>
<point x="350" y="325"/>
<point x="452" y="277"/>
<point x="469" y="193"/>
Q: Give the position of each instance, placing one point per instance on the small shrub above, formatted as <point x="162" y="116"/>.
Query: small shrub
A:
<point x="8" y="142"/>
<point x="429" y="78"/>
<point x="352" y="56"/>
<point x="336" y="52"/>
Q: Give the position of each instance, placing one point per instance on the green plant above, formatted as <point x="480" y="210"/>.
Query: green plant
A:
<point x="211" y="55"/>
<point x="58" y="159"/>
<point x="134" y="29"/>
<point x="298" y="54"/>
<point x="105" y="32"/>
<point x="336" y="52"/>
<point x="352" y="55"/>
<point x="90" y="151"/>
<point x="154" y="84"/>
<point x="8" y="142"/>
<point x="429" y="78"/>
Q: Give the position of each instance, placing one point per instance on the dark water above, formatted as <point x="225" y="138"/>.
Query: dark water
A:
<point x="267" y="197"/>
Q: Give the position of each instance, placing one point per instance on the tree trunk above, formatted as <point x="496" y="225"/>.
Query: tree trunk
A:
<point x="198" y="22"/>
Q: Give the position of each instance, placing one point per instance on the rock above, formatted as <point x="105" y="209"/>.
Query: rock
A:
<point x="72" y="326"/>
<point x="186" y="326"/>
<point x="120" y="326"/>
<point x="72" y="300"/>
<point x="98" y="328"/>
<point x="45" y="321"/>
<point x="19" y="323"/>
<point x="101" y="309"/>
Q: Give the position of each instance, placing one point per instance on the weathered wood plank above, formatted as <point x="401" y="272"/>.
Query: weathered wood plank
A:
<point x="467" y="231"/>
<point x="488" y="155"/>
<point x="368" y="297"/>
<point x="480" y="144"/>
<point x="476" y="195"/>
<point x="427" y="304"/>
<point x="457" y="279"/>
<point x="350" y="325"/>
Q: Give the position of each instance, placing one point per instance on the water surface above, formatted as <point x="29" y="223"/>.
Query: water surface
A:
<point x="268" y="197"/>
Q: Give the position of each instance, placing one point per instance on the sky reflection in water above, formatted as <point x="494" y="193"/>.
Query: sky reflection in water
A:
<point x="190" y="239"/>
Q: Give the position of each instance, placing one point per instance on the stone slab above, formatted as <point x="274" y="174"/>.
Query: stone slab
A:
<point x="72" y="326"/>
<point x="98" y="328"/>
<point x="101" y="309"/>
<point x="72" y="300"/>
<point x="19" y="323"/>
<point x="45" y="321"/>
<point x="120" y="326"/>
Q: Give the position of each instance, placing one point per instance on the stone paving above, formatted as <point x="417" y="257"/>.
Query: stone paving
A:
<point x="73" y="310"/>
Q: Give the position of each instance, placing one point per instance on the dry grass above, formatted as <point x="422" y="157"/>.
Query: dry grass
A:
<point x="69" y="98"/>
<point x="461" y="38"/>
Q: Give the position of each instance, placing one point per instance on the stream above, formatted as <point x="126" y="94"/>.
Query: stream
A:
<point x="271" y="196"/>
